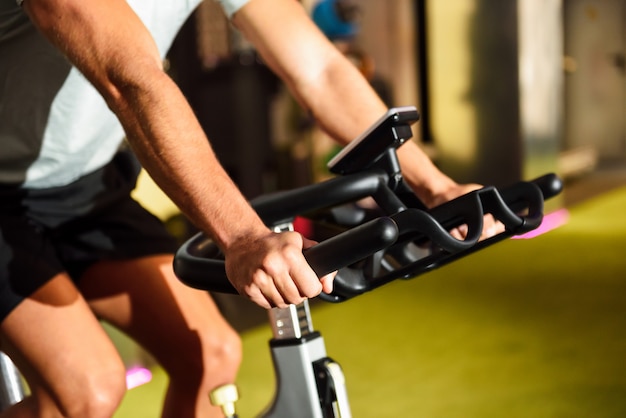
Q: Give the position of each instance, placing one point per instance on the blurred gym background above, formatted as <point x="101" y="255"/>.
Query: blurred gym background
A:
<point x="507" y="90"/>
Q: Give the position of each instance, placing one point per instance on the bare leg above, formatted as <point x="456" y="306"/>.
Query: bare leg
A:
<point x="71" y="366"/>
<point x="180" y="326"/>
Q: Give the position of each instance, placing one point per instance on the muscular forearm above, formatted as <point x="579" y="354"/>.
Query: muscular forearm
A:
<point x="173" y="148"/>
<point x="124" y="64"/>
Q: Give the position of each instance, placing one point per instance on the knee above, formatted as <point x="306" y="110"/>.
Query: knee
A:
<point x="223" y="352"/>
<point x="215" y="362"/>
<point x="221" y="357"/>
<point x="95" y="395"/>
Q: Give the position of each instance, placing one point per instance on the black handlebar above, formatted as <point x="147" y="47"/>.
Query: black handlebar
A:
<point x="420" y="228"/>
<point x="198" y="263"/>
<point x="371" y="253"/>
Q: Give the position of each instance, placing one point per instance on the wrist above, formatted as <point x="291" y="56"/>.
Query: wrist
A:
<point x="243" y="235"/>
<point x="429" y="184"/>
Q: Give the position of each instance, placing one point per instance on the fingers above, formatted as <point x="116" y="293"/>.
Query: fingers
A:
<point x="327" y="282"/>
<point x="272" y="271"/>
<point x="491" y="228"/>
<point x="459" y="232"/>
<point x="270" y="292"/>
<point x="275" y="291"/>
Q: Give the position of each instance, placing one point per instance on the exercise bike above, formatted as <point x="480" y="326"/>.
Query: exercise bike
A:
<point x="397" y="238"/>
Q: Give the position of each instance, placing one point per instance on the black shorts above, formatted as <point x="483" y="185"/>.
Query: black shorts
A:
<point x="67" y="229"/>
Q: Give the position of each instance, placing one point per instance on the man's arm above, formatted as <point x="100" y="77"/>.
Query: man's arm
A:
<point x="109" y="44"/>
<point x="330" y="87"/>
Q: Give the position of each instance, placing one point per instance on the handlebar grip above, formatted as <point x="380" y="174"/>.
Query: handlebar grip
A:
<point x="351" y="246"/>
<point x="549" y="184"/>
<point x="199" y="264"/>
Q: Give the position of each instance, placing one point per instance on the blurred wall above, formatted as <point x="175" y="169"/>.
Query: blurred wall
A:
<point x="541" y="88"/>
<point x="388" y="34"/>
<point x="595" y="64"/>
<point x="494" y="78"/>
<point x="495" y="81"/>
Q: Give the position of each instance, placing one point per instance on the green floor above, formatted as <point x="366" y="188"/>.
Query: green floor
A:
<point x="527" y="328"/>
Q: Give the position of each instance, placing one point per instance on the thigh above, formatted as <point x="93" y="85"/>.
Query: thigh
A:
<point x="46" y="326"/>
<point x="143" y="298"/>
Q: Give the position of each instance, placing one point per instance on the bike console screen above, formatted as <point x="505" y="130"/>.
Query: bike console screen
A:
<point x="390" y="131"/>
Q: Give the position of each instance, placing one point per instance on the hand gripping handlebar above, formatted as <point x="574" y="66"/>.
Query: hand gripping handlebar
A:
<point x="199" y="264"/>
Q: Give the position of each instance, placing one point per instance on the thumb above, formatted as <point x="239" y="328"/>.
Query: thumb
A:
<point x="327" y="282"/>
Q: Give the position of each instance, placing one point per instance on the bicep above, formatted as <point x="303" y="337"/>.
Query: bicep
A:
<point x="318" y="74"/>
<point x="286" y="38"/>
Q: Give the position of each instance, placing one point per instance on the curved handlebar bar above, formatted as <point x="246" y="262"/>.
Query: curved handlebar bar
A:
<point x="430" y="229"/>
<point x="199" y="264"/>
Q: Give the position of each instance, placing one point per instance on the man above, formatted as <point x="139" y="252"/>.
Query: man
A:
<point x="74" y="248"/>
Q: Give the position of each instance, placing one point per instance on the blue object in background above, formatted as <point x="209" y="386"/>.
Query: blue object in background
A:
<point x="326" y="15"/>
